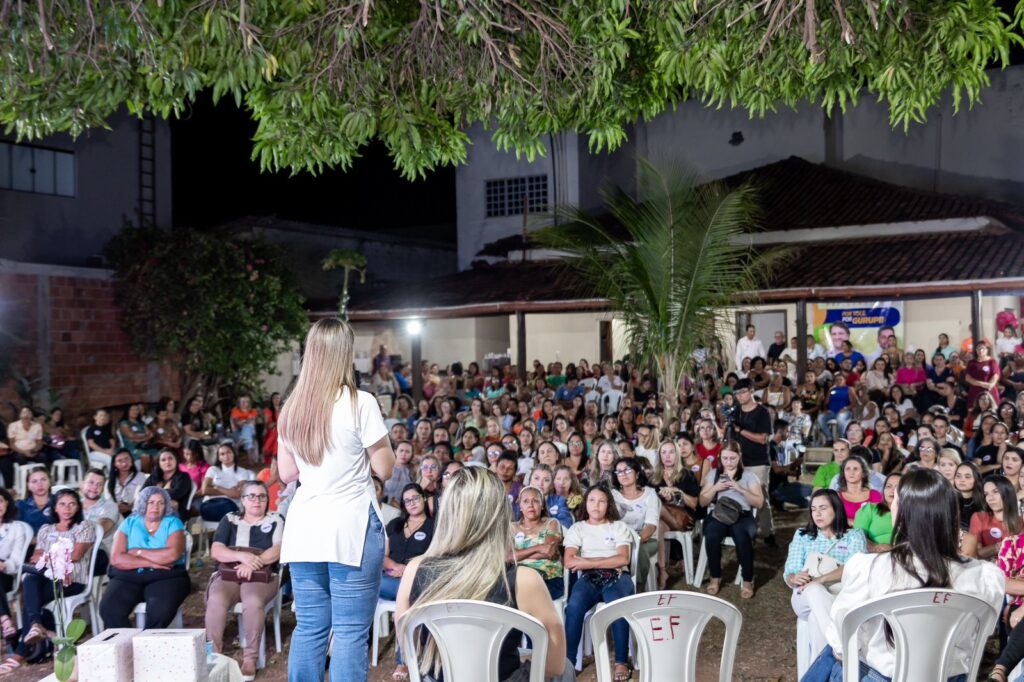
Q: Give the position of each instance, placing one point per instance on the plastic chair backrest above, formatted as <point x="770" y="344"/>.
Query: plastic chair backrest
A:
<point x="95" y="547"/>
<point x="668" y="626"/>
<point x="20" y="549"/>
<point x="188" y="549"/>
<point x="634" y="554"/>
<point x="191" y="497"/>
<point x="938" y="619"/>
<point x="456" y="623"/>
<point x="85" y="442"/>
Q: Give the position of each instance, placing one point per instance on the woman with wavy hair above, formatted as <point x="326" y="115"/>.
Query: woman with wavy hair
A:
<point x="468" y="559"/>
<point x="331" y="436"/>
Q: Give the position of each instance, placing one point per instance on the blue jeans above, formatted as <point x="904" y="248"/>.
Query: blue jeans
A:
<point x="827" y="669"/>
<point x="585" y="596"/>
<point x="332" y="595"/>
<point x="217" y="508"/>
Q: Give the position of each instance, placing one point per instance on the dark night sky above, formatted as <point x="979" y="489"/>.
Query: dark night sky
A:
<point x="215" y="181"/>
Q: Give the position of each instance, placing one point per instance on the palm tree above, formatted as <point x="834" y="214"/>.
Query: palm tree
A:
<point x="681" y="262"/>
<point x="349" y="261"/>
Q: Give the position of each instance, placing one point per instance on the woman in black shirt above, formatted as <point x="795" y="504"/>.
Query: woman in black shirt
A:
<point x="178" y="484"/>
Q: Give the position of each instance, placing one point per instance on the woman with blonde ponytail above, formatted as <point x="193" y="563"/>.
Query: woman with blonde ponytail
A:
<point x="331" y="437"/>
<point x="468" y="559"/>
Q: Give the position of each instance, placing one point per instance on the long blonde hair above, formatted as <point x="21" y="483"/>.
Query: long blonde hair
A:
<point x="472" y="541"/>
<point x="667" y="477"/>
<point x="305" y="421"/>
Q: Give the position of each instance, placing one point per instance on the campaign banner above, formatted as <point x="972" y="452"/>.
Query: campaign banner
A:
<point x="859" y="323"/>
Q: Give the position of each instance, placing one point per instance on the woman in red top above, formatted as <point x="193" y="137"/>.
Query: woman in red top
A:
<point x="270" y="415"/>
<point x="982" y="375"/>
<point x="708" y="445"/>
<point x="1000" y="519"/>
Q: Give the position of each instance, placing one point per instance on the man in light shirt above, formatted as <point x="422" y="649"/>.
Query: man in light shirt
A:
<point x="749" y="347"/>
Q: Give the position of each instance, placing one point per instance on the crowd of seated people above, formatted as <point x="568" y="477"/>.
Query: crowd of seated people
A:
<point x="582" y="453"/>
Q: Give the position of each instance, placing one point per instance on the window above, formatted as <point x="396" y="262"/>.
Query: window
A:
<point x="506" y="196"/>
<point x="26" y="168"/>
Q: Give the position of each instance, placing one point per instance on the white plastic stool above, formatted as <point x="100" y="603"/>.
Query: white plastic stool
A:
<point x="62" y="470"/>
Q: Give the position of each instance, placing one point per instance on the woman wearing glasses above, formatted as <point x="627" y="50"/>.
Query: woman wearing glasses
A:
<point x="250" y="540"/>
<point x="639" y="508"/>
<point x="409" y="536"/>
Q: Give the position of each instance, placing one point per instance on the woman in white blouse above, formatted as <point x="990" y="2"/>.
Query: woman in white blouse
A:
<point x="640" y="509"/>
<point x="925" y="553"/>
<point x="331" y="438"/>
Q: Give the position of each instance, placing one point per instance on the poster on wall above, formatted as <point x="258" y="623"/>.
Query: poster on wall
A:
<point x="859" y="323"/>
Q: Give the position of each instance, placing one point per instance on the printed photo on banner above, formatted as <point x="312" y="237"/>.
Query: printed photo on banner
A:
<point x="857" y="323"/>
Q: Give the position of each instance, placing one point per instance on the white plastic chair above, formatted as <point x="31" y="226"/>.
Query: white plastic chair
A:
<point x="62" y="470"/>
<point x="140" y="608"/>
<point x="685" y="539"/>
<point x="667" y="627"/>
<point x="936" y="619"/>
<point x="380" y="626"/>
<point x="96" y="459"/>
<point x="18" y="552"/>
<point x="702" y="561"/>
<point x="21" y="472"/>
<point x="86" y="597"/>
<point x="457" y="623"/>
<point x="273" y="606"/>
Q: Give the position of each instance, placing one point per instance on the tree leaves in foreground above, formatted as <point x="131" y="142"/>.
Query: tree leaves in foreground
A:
<point x="680" y="262"/>
<point x="219" y="310"/>
<point x="324" y="77"/>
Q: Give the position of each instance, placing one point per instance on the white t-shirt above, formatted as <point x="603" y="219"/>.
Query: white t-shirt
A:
<point x="637" y="513"/>
<point x="1007" y="345"/>
<point x="597" y="541"/>
<point x="328" y="516"/>
<point x="104" y="509"/>
<point x="226" y="478"/>
<point x="604" y="384"/>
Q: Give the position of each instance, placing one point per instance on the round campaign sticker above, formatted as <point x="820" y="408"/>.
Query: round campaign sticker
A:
<point x="639" y="506"/>
<point x="267" y="527"/>
<point x="47" y="512"/>
<point x="553" y="510"/>
<point x="996" y="533"/>
<point x="520" y="537"/>
<point x="419" y="535"/>
<point x="609" y="540"/>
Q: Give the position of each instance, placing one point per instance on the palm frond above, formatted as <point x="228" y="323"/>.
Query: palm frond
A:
<point x="670" y="260"/>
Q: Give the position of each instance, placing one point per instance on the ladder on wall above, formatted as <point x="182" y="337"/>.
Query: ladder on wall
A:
<point x="147" y="170"/>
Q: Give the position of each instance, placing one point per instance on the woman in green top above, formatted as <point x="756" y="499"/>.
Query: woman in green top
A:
<point x="875" y="519"/>
<point x="538" y="540"/>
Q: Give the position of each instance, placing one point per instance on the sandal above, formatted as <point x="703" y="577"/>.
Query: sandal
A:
<point x="623" y="672"/>
<point x="36" y="633"/>
<point x="7" y="629"/>
<point x="714" y="586"/>
<point x="747" y="590"/>
<point x="401" y="673"/>
<point x="998" y="674"/>
<point x="9" y="666"/>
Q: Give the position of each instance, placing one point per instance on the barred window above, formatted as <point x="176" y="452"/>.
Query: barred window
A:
<point x="507" y="196"/>
<point x="27" y="168"/>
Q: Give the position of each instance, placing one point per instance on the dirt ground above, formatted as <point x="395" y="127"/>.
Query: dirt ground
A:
<point x="766" y="650"/>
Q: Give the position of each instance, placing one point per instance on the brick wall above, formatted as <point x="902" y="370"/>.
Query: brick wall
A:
<point x="75" y="345"/>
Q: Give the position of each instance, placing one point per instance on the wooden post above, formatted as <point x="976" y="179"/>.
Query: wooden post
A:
<point x="521" y="344"/>
<point x="978" y="332"/>
<point x="417" y="360"/>
<point x="801" y="340"/>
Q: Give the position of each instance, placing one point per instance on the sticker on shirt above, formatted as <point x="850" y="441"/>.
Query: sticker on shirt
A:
<point x="419" y="536"/>
<point x="520" y="537"/>
<point x="841" y="547"/>
<point x="609" y="540"/>
<point x="639" y="506"/>
<point x="47" y="512"/>
<point x="267" y="527"/>
<point x="553" y="510"/>
<point x="996" y="533"/>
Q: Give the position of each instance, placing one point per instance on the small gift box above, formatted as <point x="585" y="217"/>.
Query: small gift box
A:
<point x="170" y="656"/>
<point x="108" y="656"/>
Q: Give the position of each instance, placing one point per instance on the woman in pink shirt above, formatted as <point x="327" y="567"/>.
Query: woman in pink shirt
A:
<point x="192" y="462"/>
<point x="911" y="378"/>
<point x="854" y="490"/>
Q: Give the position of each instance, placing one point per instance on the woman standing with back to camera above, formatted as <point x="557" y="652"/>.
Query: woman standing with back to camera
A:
<point x="331" y="437"/>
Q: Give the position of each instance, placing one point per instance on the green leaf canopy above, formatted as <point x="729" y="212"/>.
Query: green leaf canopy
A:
<point x="322" y="78"/>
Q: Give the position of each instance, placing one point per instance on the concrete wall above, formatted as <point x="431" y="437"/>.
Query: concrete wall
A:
<point x="42" y="228"/>
<point x="465" y="340"/>
<point x="565" y="337"/>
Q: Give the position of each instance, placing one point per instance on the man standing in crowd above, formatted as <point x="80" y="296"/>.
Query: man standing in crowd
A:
<point x="778" y="346"/>
<point x="752" y="429"/>
<point x="749" y="347"/>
